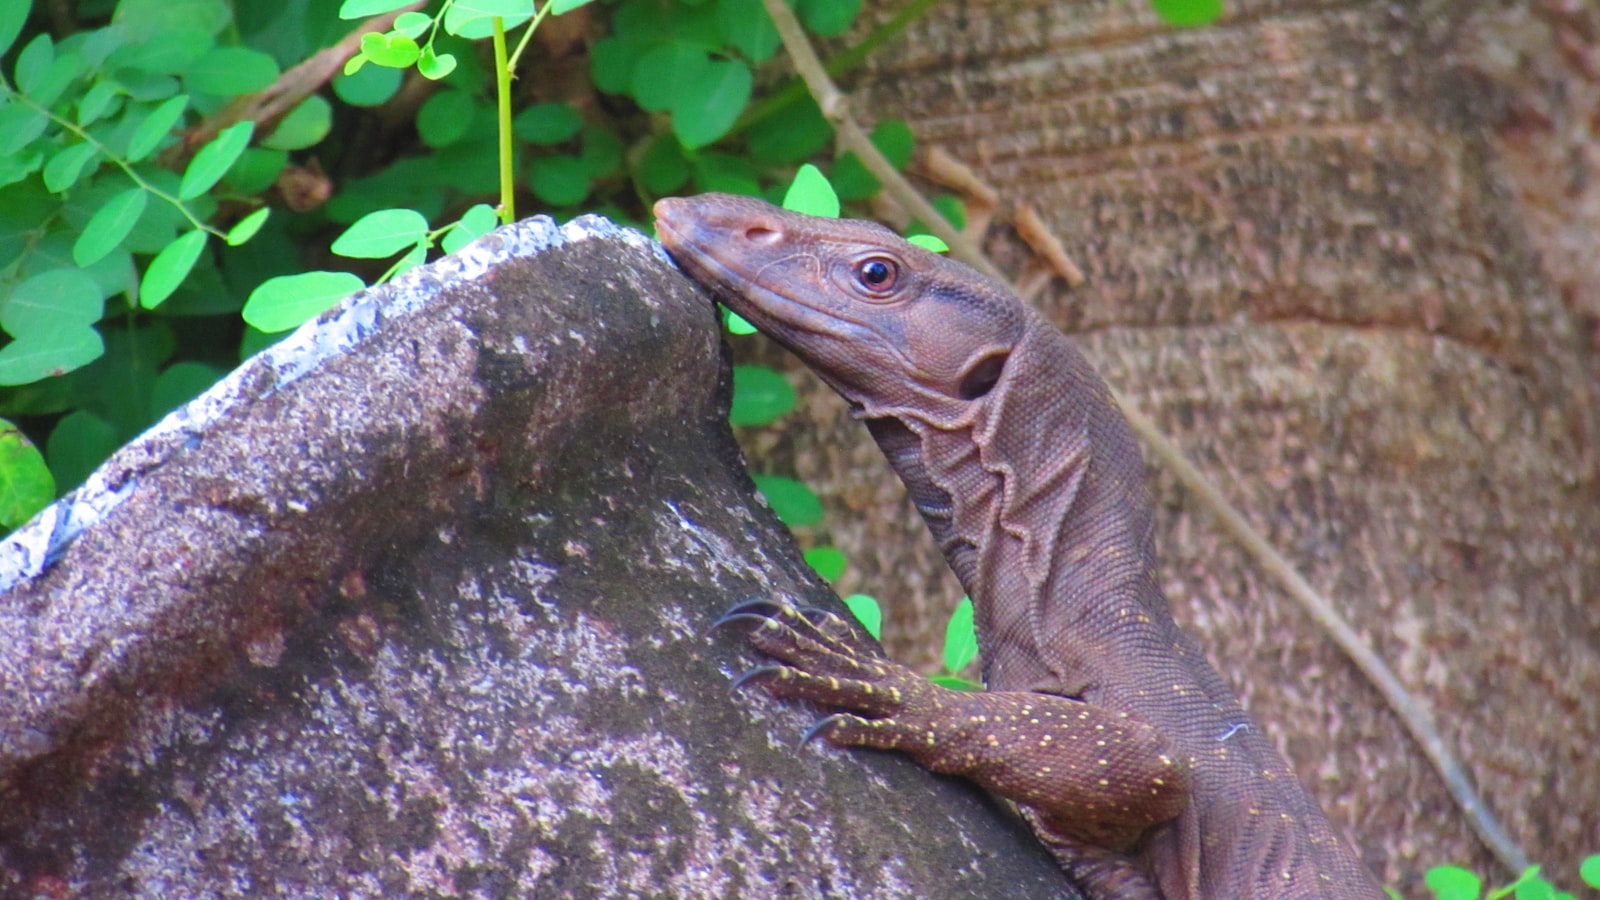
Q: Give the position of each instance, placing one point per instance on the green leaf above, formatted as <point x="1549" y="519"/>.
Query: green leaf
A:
<point x="77" y="446"/>
<point x="258" y="169"/>
<point x="559" y="180"/>
<point x="828" y="562"/>
<point x="928" y="242"/>
<point x="167" y="50"/>
<point x="231" y="71"/>
<point x="101" y="98"/>
<point x="412" y="24"/>
<point x="214" y="160"/>
<point x="1187" y="13"/>
<point x="179" y="383"/>
<point x="148" y="88"/>
<point x="737" y="323"/>
<point x="50" y="299"/>
<point x="661" y="75"/>
<point x="361" y="9"/>
<point x="26" y="485"/>
<point x="547" y="123"/>
<point x="19" y="126"/>
<point x="1527" y="887"/>
<point x="952" y="210"/>
<point x="54" y="351"/>
<point x="726" y="173"/>
<point x="745" y="26"/>
<point x="957" y="683"/>
<point x="109" y="226"/>
<point x="65" y="168"/>
<point x="145" y="17"/>
<point x="612" y="61"/>
<point x="794" y="137"/>
<point x="435" y="66"/>
<point x="794" y="503"/>
<point x="475" y="223"/>
<point x="557" y="7"/>
<point x="414" y="257"/>
<point x="1589" y="871"/>
<point x="170" y="267"/>
<point x="49" y="86"/>
<point x="156" y="127"/>
<point x="810" y="193"/>
<point x="34" y="61"/>
<point x="894" y="140"/>
<point x="662" y="168"/>
<point x="760" y="396"/>
<point x="709" y="102"/>
<point x="867" y="611"/>
<point x="960" y="638"/>
<point x="1452" y="883"/>
<point x="446" y="117"/>
<point x="12" y="15"/>
<point x="474" y="19"/>
<point x="602" y="151"/>
<point x="284" y="302"/>
<point x="370" y="86"/>
<point x="828" y="18"/>
<point x="305" y="125"/>
<point x="394" y="51"/>
<point x="247" y="227"/>
<point x="381" y="234"/>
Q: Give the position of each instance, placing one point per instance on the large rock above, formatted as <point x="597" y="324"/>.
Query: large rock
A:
<point x="416" y="603"/>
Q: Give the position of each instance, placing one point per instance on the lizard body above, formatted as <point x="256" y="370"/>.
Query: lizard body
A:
<point x="1122" y="746"/>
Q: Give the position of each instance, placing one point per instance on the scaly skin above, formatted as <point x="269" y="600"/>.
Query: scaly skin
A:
<point x="1128" y="754"/>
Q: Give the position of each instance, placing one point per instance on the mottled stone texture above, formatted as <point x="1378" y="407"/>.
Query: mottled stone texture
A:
<point x="417" y="605"/>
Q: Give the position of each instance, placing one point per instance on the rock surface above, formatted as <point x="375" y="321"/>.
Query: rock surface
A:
<point x="416" y="603"/>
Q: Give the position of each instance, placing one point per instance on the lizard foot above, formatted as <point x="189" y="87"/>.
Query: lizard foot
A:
<point x="1090" y="771"/>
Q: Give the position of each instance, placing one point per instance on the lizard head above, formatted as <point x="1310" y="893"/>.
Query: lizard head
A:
<point x="896" y="329"/>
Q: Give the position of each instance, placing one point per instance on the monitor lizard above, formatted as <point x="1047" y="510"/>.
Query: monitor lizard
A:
<point x="1123" y="748"/>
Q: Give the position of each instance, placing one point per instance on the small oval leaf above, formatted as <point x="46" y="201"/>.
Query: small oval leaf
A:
<point x="247" y="227"/>
<point x="214" y="160"/>
<point x="108" y="226"/>
<point x="156" y="127"/>
<point x="381" y="234"/>
<point x="794" y="503"/>
<point x="170" y="267"/>
<point x="284" y="302"/>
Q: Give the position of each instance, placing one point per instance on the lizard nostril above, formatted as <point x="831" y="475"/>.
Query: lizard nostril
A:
<point x="761" y="236"/>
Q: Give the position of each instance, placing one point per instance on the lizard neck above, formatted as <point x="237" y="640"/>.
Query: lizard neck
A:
<point x="1038" y="504"/>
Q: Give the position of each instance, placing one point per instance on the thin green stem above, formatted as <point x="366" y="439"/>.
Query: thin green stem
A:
<point x="502" y="87"/>
<point x="527" y="36"/>
<point x="120" y="163"/>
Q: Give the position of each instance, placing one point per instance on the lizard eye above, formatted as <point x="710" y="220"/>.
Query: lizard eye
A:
<point x="877" y="274"/>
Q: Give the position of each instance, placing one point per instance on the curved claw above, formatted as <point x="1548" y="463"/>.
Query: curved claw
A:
<point x="759" y="607"/>
<point x="817" y="726"/>
<point x="732" y="616"/>
<point x="753" y="674"/>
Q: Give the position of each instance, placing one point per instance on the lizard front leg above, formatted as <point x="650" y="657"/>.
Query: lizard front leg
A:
<point x="1084" y="774"/>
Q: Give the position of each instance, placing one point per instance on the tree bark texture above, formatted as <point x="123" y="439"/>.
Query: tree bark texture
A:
<point x="1344" y="253"/>
<point x="417" y="603"/>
